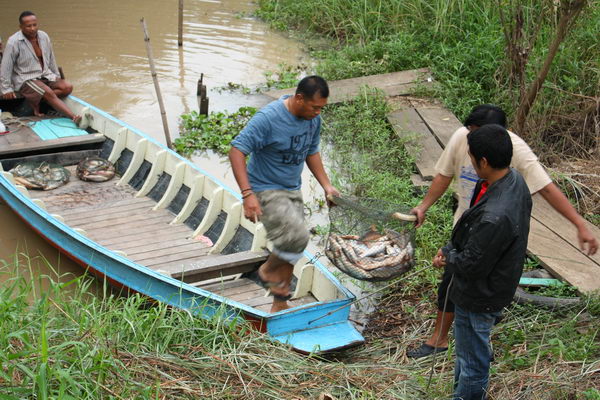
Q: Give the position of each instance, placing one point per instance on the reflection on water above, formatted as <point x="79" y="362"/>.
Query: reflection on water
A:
<point x="100" y="46"/>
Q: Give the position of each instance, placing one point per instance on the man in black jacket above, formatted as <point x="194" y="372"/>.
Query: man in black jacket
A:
<point x="485" y="255"/>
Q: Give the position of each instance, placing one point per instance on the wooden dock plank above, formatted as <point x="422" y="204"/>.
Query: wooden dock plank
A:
<point x="553" y="220"/>
<point x="553" y="239"/>
<point x="440" y="121"/>
<point x="392" y="84"/>
<point x="563" y="261"/>
<point x="422" y="145"/>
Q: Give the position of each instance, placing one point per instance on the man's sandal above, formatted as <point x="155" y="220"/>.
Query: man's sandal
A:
<point x="267" y="285"/>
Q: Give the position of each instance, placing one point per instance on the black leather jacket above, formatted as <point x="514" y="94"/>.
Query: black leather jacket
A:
<point x="488" y="244"/>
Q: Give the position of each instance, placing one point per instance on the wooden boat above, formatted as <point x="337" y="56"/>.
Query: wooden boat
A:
<point x="140" y="231"/>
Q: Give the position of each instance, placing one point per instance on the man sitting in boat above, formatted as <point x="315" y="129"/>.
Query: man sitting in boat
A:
<point x="29" y="68"/>
<point x="280" y="138"/>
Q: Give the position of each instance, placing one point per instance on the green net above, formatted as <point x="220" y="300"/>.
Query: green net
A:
<point x="370" y="239"/>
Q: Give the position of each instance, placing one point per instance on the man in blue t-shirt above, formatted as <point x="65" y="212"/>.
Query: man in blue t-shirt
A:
<point x="279" y="139"/>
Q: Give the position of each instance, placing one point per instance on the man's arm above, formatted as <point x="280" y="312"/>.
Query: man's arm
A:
<point x="560" y="203"/>
<point x="252" y="209"/>
<point x="439" y="185"/>
<point x="315" y="164"/>
<point x="6" y="70"/>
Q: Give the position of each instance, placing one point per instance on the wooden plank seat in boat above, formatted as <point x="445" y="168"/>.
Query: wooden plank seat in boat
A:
<point x="200" y="269"/>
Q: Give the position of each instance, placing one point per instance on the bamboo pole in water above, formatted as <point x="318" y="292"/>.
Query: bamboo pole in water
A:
<point x="180" y="31"/>
<point x="163" y="114"/>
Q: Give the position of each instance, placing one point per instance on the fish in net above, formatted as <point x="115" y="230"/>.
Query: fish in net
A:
<point x="369" y="239"/>
<point x="95" y="169"/>
<point x="40" y="176"/>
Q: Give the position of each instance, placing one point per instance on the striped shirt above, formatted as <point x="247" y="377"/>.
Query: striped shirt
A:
<point x="20" y="64"/>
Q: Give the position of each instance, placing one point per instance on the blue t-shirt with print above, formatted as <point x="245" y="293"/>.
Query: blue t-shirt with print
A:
<point x="278" y="143"/>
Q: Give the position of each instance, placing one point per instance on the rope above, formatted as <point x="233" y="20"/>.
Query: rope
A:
<point x="21" y="122"/>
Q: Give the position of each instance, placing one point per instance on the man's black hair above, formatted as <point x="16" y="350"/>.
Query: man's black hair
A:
<point x="25" y="14"/>
<point x="484" y="114"/>
<point x="311" y="85"/>
<point x="492" y="142"/>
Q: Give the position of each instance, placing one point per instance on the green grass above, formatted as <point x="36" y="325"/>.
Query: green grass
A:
<point x="463" y="44"/>
<point x="63" y="343"/>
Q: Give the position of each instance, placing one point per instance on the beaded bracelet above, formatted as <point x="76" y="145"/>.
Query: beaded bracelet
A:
<point x="245" y="190"/>
<point x="247" y="195"/>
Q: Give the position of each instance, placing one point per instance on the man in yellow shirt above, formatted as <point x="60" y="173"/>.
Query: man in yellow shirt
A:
<point x="455" y="163"/>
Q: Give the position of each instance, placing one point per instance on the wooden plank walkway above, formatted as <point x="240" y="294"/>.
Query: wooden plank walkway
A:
<point x="392" y="84"/>
<point x="552" y="239"/>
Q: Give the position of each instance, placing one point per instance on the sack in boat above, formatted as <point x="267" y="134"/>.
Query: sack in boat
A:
<point x="40" y="176"/>
<point x="95" y="169"/>
<point x="370" y="239"/>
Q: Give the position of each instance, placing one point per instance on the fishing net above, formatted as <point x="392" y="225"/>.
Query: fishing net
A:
<point x="40" y="175"/>
<point x="95" y="169"/>
<point x="370" y="239"/>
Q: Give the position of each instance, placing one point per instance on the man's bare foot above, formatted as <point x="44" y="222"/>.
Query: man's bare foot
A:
<point x="76" y="119"/>
<point x="38" y="114"/>
<point x="279" y="305"/>
<point x="439" y="342"/>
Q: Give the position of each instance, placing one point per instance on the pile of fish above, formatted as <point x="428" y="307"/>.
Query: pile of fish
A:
<point x="372" y="256"/>
<point x="40" y="176"/>
<point x="95" y="169"/>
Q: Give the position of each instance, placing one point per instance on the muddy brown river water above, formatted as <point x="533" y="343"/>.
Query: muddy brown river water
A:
<point x="100" y="46"/>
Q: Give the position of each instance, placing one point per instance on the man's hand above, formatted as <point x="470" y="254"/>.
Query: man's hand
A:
<point x="585" y="237"/>
<point x="9" y="96"/>
<point x="419" y="211"/>
<point x="439" y="261"/>
<point x="330" y="191"/>
<point x="252" y="209"/>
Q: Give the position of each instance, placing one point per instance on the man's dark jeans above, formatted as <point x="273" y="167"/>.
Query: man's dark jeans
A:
<point x="473" y="353"/>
